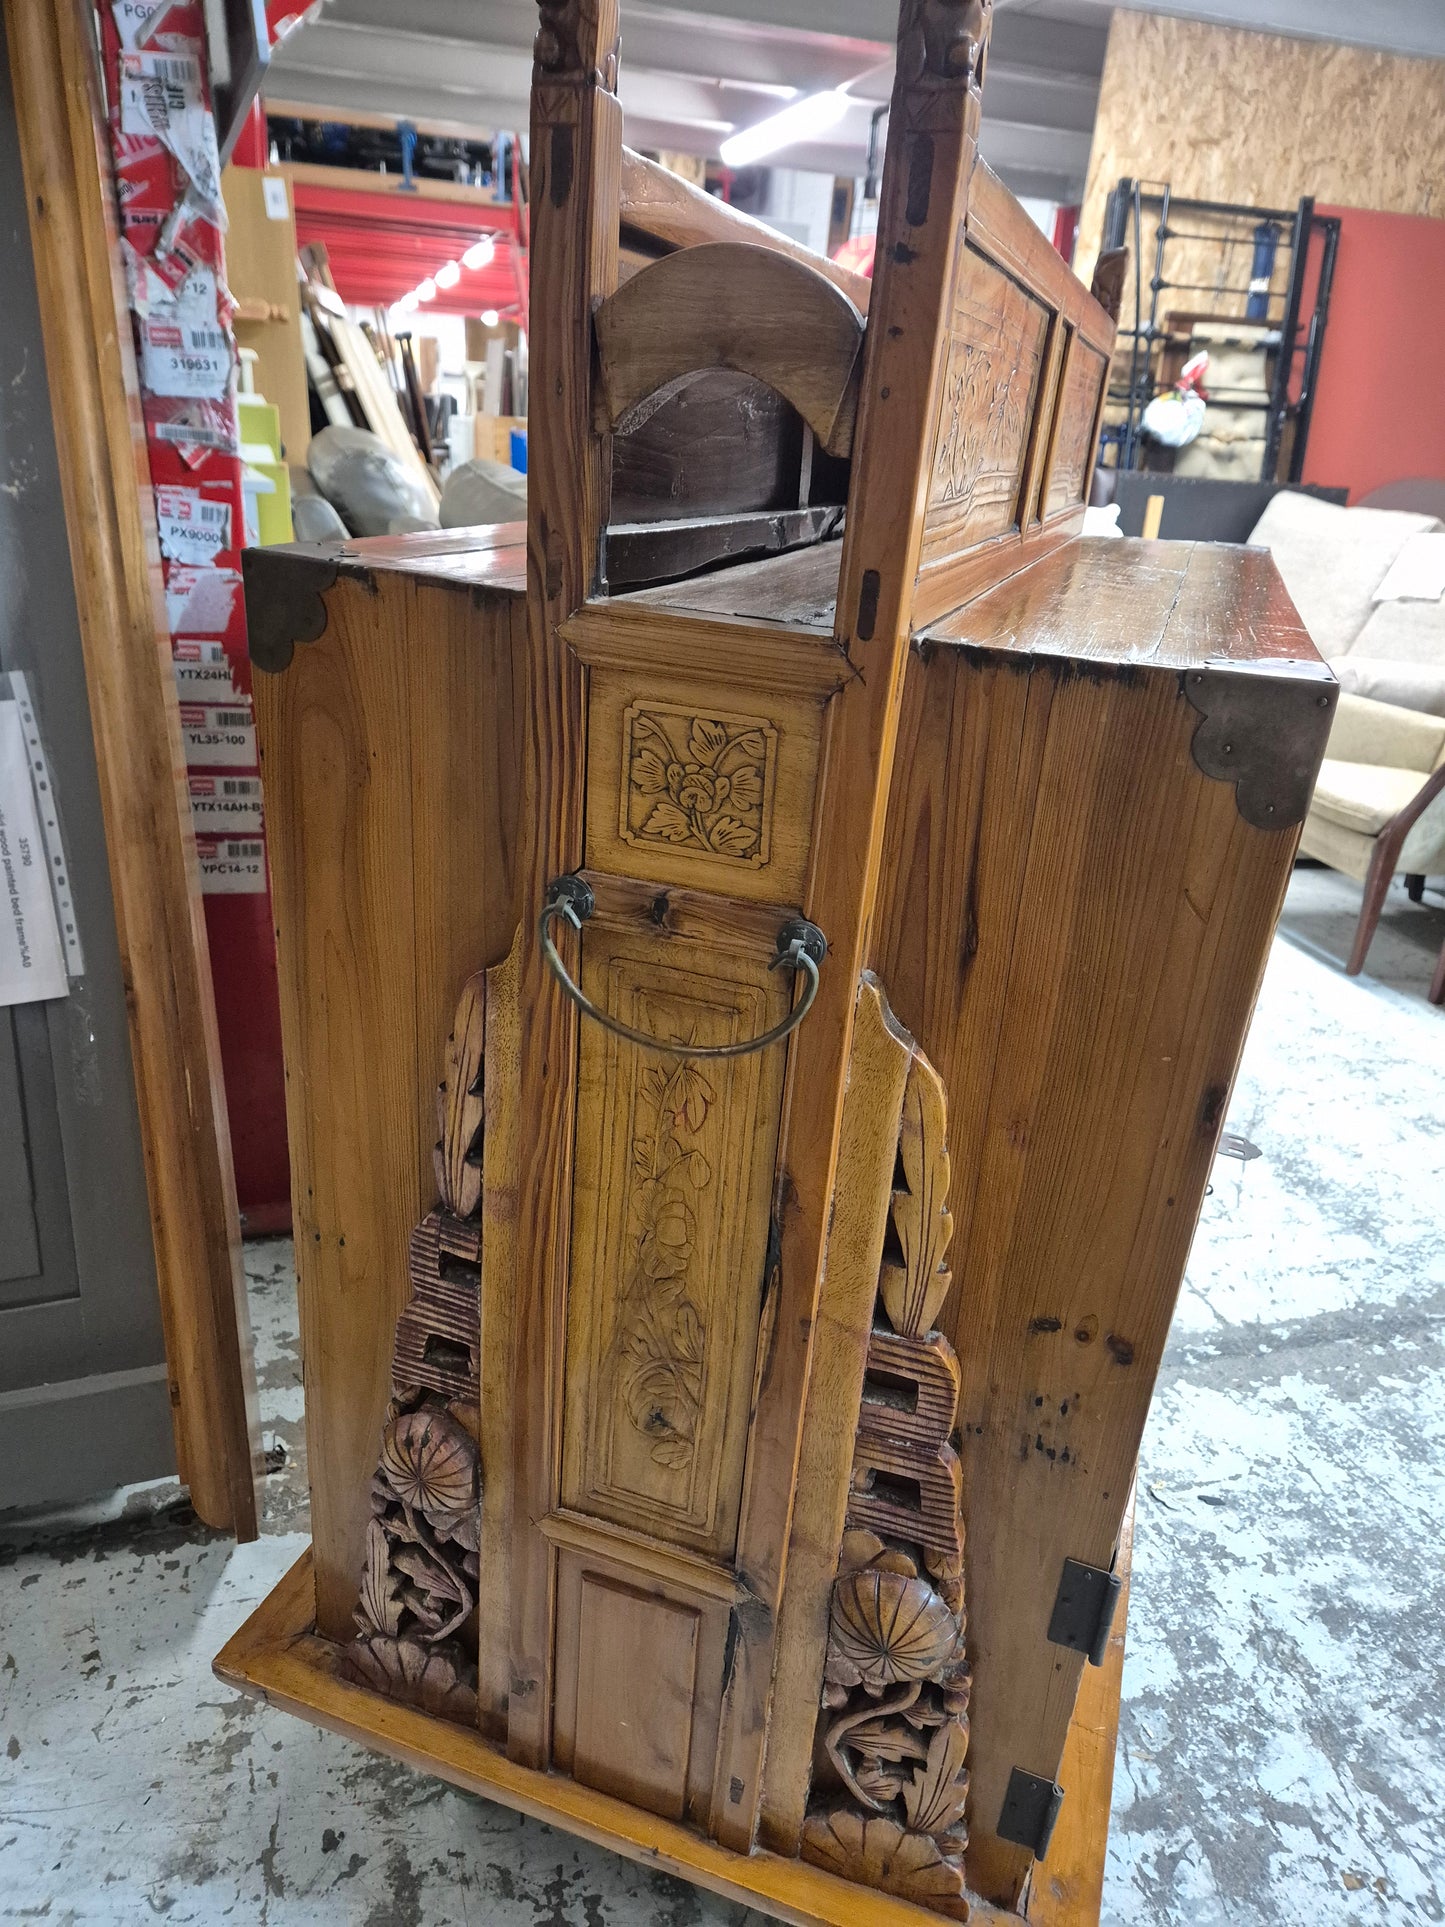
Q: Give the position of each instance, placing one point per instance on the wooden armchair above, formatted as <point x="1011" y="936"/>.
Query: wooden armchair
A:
<point x="860" y="886"/>
<point x="1376" y="810"/>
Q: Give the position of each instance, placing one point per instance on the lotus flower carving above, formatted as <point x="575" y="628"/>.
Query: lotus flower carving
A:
<point x="886" y="1629"/>
<point x="880" y="1853"/>
<point x="424" y="1676"/>
<point x="429" y="1465"/>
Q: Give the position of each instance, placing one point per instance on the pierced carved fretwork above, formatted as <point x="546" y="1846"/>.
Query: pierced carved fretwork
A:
<point x="458" y="1155"/>
<point x="416" y="1626"/>
<point x="893" y="1735"/>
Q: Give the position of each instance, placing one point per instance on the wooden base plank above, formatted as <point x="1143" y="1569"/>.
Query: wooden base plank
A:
<point x="277" y="1658"/>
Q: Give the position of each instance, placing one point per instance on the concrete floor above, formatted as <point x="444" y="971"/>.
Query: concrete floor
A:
<point x="1281" y="1746"/>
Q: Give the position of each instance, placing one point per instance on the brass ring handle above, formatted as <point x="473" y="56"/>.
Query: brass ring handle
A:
<point x="801" y="946"/>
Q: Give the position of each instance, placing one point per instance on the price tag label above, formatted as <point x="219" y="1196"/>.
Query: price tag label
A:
<point x="226" y="805"/>
<point x="218" y="738"/>
<point x="191" y="528"/>
<point x="203" y="673"/>
<point x="232" y="866"/>
<point x="161" y="95"/>
<point x="183" y="358"/>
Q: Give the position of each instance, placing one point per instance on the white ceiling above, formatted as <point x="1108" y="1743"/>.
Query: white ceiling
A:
<point x="689" y="77"/>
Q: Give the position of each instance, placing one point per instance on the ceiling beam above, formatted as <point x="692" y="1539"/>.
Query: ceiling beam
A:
<point x="1388" y="26"/>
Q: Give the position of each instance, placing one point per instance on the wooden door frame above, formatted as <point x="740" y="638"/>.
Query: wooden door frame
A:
<point x="155" y="880"/>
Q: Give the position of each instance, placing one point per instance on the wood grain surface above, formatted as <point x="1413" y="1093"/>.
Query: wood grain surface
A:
<point x="660" y="211"/>
<point x="155" y="884"/>
<point x="275" y="1657"/>
<point x="867" y="1153"/>
<point x="1164" y="605"/>
<point x="501" y="1156"/>
<point x="261" y="269"/>
<point x="387" y="756"/>
<point x="931" y="150"/>
<point x="672" y="1203"/>
<point x="1297" y="117"/>
<point x="1068" y="1888"/>
<point x="1098" y="919"/>
<point x="576" y="157"/>
<point x="732" y="305"/>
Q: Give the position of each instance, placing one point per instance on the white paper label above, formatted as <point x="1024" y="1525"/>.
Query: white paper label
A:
<point x="191" y="528"/>
<point x="133" y="18"/>
<point x="32" y="959"/>
<point x="228" y="806"/>
<point x="199" y="601"/>
<point x="188" y="431"/>
<point x="232" y="866"/>
<point x="184" y="358"/>
<point x="273" y="192"/>
<point x="161" y="95"/>
<point x="218" y="738"/>
<point x="203" y="673"/>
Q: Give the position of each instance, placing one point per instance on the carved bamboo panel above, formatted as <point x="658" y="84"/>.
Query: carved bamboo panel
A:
<point x="890" y="1786"/>
<point x="416" y="1616"/>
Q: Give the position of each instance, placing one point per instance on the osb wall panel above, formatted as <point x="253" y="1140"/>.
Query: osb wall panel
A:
<point x="1225" y="114"/>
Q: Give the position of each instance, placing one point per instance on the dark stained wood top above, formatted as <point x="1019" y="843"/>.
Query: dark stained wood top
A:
<point x="489" y="557"/>
<point x="798" y="590"/>
<point x="1136" y="604"/>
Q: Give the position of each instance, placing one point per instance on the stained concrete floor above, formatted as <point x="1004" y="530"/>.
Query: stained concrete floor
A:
<point x="1281" y="1742"/>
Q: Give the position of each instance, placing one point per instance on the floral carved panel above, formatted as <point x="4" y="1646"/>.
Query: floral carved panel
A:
<point x="671" y="1212"/>
<point x="701" y="784"/>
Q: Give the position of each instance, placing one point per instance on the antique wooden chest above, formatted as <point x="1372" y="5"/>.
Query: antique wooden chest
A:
<point x="831" y="894"/>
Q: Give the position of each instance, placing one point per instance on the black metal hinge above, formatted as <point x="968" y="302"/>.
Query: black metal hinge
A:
<point x="1084" y="1610"/>
<point x="1030" y="1812"/>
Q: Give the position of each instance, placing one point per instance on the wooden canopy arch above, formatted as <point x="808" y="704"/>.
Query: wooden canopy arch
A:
<point x="728" y="304"/>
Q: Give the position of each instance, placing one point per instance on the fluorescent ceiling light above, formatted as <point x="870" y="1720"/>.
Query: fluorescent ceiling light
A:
<point x="449" y="276"/>
<point x="490" y="317"/>
<point x="479" y="253"/>
<point x="427" y="290"/>
<point x="799" y="122"/>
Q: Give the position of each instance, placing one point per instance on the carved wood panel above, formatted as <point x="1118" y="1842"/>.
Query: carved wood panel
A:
<point x="997" y="336"/>
<point x="891" y="1786"/>
<point x="698" y="782"/>
<point x="1079" y="397"/>
<point x="416" y="1614"/>
<point x="689" y="783"/>
<point x="670" y="1235"/>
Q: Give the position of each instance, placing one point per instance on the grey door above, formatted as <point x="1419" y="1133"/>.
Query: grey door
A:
<point x="84" y="1401"/>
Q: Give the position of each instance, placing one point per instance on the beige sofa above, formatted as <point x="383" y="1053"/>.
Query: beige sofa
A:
<point x="1333" y="560"/>
<point x="1379" y="807"/>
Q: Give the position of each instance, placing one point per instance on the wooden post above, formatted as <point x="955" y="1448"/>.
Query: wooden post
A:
<point x="154" y="878"/>
<point x="576" y="171"/>
<point x="935" y="115"/>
